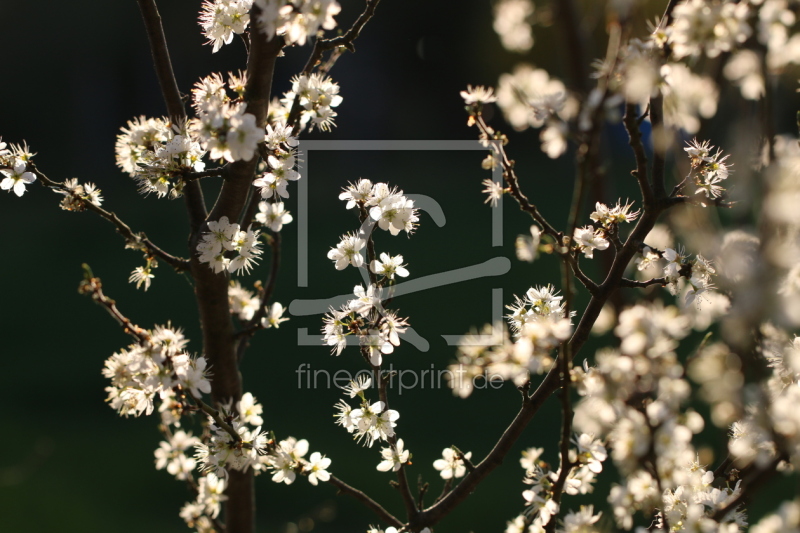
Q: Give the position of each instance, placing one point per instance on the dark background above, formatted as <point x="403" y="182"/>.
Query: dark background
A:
<point x="73" y="74"/>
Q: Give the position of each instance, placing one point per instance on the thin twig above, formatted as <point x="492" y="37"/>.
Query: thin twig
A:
<point x="656" y="109"/>
<point x="511" y="179"/>
<point x="575" y="40"/>
<point x="214" y="414"/>
<point x="243" y="337"/>
<point x="589" y="150"/>
<point x="659" y="161"/>
<point x="93" y="286"/>
<point x="585" y="280"/>
<point x="134" y="240"/>
<point x="377" y="508"/>
<point x="381" y="383"/>
<point x="323" y="45"/>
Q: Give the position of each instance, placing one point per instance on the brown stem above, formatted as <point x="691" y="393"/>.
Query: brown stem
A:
<point x="211" y="289"/>
<point x="511" y="179"/>
<point x="588" y="157"/>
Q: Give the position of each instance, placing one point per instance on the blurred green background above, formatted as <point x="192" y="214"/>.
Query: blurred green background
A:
<point x="73" y="74"/>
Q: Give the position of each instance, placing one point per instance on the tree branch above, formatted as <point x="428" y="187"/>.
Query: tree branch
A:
<point x="585" y="280"/>
<point x="630" y="283"/>
<point x="659" y="162"/>
<point x="244" y="336"/>
<point x="753" y="483"/>
<point x="93" y="286"/>
<point x="134" y="240"/>
<point x="214" y="414"/>
<point x="377" y="508"/>
<point x="575" y="41"/>
<point x="564" y="365"/>
<point x="551" y="382"/>
<point x="511" y="179"/>
<point x="323" y="45"/>
<point x="172" y="98"/>
<point x="635" y="140"/>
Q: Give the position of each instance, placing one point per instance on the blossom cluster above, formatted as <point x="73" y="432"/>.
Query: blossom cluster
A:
<point x="156" y="153"/>
<point x="222" y="19"/>
<point x="371" y="422"/>
<point x="708" y="27"/>
<point x="286" y="460"/>
<point x="280" y="170"/>
<point x="163" y="156"/>
<point x="76" y="195"/>
<point x="14" y="168"/>
<point x="708" y="169"/>
<point x="245" y="304"/>
<point x="208" y="504"/>
<point x="316" y="94"/>
<point x="539" y="323"/>
<point x="586" y="461"/>
<point x="223" y="126"/>
<point x="758" y="437"/>
<point x="171" y="454"/>
<point x="252" y="448"/>
<point x="156" y="366"/>
<point x="512" y="22"/>
<point x="223" y="451"/>
<point x="530" y="97"/>
<point x="387" y="206"/>
<point x="223" y="240"/>
<point x="660" y="63"/>
<point x="677" y="266"/>
<point x="294" y="20"/>
<point x="634" y="397"/>
<point x="377" y="329"/>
